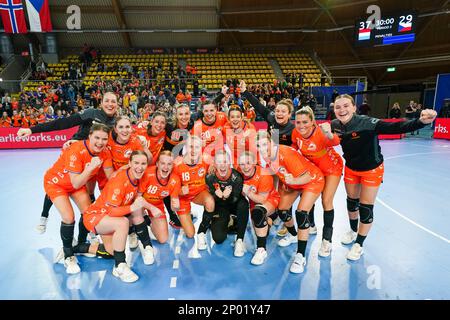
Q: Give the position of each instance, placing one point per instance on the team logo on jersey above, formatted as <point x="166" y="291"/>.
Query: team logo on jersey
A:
<point x="73" y="158"/>
<point x="116" y="191"/>
<point x="355" y="135"/>
<point x="201" y="172"/>
<point x="161" y="140"/>
<point x="164" y="193"/>
<point x="312" y="147"/>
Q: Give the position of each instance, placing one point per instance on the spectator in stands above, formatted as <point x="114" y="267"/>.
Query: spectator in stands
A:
<point x="410" y="112"/>
<point x="334" y="95"/>
<point x="180" y="97"/>
<point x="364" y="109"/>
<point x="296" y="101"/>
<point x="312" y="102"/>
<point x="5" y="121"/>
<point x="330" y="114"/>
<point x="395" y="112"/>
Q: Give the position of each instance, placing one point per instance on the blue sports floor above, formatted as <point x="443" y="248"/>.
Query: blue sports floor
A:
<point x="407" y="253"/>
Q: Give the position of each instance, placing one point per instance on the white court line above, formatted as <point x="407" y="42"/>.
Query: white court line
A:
<point x="414" y="154"/>
<point x="177" y="250"/>
<point x="413" y="222"/>
<point x="173" y="282"/>
<point x="171" y="299"/>
<point x="176" y="264"/>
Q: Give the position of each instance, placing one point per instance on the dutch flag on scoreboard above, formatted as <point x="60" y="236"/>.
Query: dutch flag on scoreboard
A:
<point x="364" y="34"/>
<point x="39" y="15"/>
<point x="404" y="27"/>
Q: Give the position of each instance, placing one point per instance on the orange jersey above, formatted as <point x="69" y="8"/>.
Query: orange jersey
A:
<point x="210" y="133"/>
<point x="119" y="191"/>
<point x="242" y="141"/>
<point x="261" y="182"/>
<point x="120" y="153"/>
<point x="289" y="161"/>
<point x="319" y="150"/>
<point x="5" y="122"/>
<point x="155" y="143"/>
<point x="33" y="122"/>
<point x="192" y="175"/>
<point x="154" y="191"/>
<point x="41" y="118"/>
<point x="25" y="122"/>
<point x="74" y="160"/>
<point x="16" y="120"/>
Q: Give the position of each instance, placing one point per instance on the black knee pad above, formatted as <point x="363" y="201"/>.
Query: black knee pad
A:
<point x="352" y="204"/>
<point x="259" y="216"/>
<point x="285" y="215"/>
<point x="302" y="219"/>
<point x="366" y="213"/>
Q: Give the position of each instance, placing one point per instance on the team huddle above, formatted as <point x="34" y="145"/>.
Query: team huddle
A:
<point x="220" y="162"/>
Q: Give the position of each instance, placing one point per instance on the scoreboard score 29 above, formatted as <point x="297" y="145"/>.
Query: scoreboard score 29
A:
<point x="389" y="30"/>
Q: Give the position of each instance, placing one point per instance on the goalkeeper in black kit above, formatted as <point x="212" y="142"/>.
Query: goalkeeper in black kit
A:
<point x="225" y="184"/>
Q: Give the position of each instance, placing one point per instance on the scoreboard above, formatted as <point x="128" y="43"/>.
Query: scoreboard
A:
<point x="392" y="29"/>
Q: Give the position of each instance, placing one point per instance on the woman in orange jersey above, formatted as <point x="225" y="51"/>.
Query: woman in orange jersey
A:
<point x="5" y="121"/>
<point x="25" y="120"/>
<point x="240" y="135"/>
<point x="107" y="216"/>
<point x="155" y="134"/>
<point x="122" y="142"/>
<point x="297" y="176"/>
<point x="264" y="200"/>
<point x="68" y="178"/>
<point x="316" y="144"/>
<point x="210" y="128"/>
<point x="157" y="184"/>
<point x="192" y="169"/>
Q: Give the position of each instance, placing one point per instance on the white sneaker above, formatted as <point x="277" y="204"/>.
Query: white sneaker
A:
<point x="124" y="273"/>
<point x="42" y="226"/>
<point x="298" y="265"/>
<point x="355" y="252"/>
<point x="201" y="241"/>
<point x="239" y="248"/>
<point x="313" y="230"/>
<point x="259" y="257"/>
<point x="147" y="253"/>
<point x="325" y="248"/>
<point x="349" y="237"/>
<point x="133" y="240"/>
<point x="288" y="240"/>
<point x="71" y="265"/>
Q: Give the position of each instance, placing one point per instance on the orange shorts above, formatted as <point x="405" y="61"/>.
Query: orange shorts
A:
<point x="160" y="207"/>
<point x="273" y="199"/>
<point x="369" y="178"/>
<point x="316" y="186"/>
<point x="54" y="191"/>
<point x="91" y="218"/>
<point x="185" y="204"/>
<point x="330" y="165"/>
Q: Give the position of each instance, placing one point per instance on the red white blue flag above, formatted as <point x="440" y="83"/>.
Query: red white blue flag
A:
<point x="39" y="15"/>
<point x="404" y="27"/>
<point x="13" y="16"/>
<point x="364" y="34"/>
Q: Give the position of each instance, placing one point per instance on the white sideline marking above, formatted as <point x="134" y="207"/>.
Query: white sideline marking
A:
<point x="173" y="282"/>
<point x="413" y="222"/>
